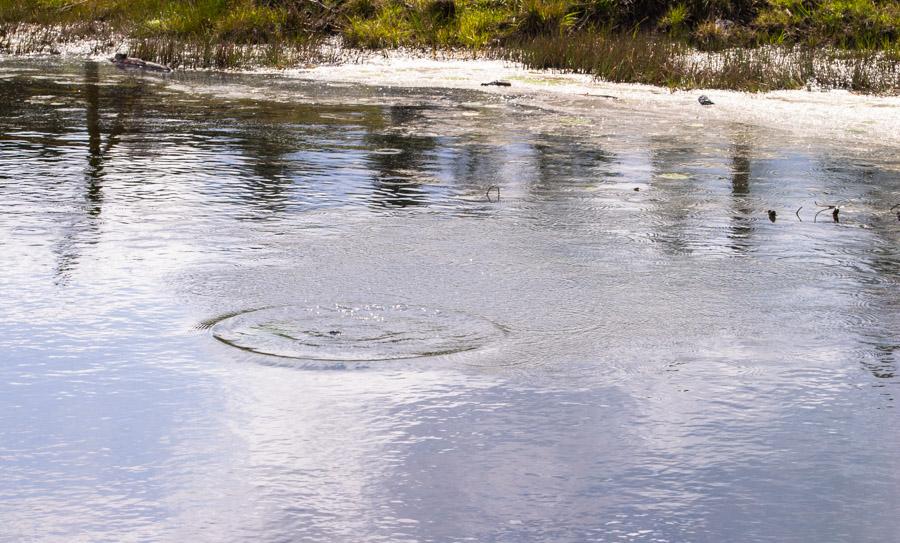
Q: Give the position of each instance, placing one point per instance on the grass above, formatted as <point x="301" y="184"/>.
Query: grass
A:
<point x="642" y="58"/>
<point x="748" y="44"/>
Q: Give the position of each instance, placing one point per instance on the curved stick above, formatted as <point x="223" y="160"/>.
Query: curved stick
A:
<point x="488" y="193"/>
<point x="797" y="213"/>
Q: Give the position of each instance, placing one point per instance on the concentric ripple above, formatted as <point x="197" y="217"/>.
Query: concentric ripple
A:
<point x="349" y="332"/>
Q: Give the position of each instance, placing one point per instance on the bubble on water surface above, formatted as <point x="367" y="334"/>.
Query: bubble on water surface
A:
<point x="355" y="333"/>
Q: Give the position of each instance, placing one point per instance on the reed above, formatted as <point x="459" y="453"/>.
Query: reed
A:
<point x="650" y="59"/>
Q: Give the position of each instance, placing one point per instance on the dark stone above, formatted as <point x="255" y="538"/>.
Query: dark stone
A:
<point x="497" y="83"/>
<point x="704" y="100"/>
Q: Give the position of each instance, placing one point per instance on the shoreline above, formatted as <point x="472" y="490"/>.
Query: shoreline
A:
<point x="860" y="120"/>
<point x="617" y="59"/>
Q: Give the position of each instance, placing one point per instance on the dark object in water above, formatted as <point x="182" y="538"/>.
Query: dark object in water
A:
<point x="497" y="83"/>
<point x="611" y="97"/>
<point x="123" y="61"/>
<point x="704" y="100"/>
<point x="772" y="215"/>
<point x="637" y="189"/>
<point x="334" y="332"/>
<point x="488" y="193"/>
<point x="825" y="207"/>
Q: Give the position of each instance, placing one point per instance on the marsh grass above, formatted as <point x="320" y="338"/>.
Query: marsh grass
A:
<point x="649" y="59"/>
<point x="206" y="53"/>
<point x="732" y="44"/>
<point x="28" y="38"/>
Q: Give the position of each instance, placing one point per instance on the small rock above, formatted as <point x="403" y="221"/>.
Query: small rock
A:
<point x="772" y="215"/>
<point x="704" y="100"/>
<point x="497" y="83"/>
<point x="637" y="189"/>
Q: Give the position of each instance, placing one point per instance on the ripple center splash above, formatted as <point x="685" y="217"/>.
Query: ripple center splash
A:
<point x="355" y="332"/>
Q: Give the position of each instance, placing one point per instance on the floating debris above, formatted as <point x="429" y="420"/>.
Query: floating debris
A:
<point x="123" y="61"/>
<point x="497" y="83"/>
<point x="835" y="211"/>
<point x="609" y="96"/>
<point x="673" y="176"/>
<point x="704" y="100"/>
<point x="488" y="193"/>
<point x="772" y="215"/>
<point x="797" y="213"/>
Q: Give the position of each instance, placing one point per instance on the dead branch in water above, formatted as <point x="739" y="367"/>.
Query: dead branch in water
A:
<point x="488" y="193"/>
<point x="826" y="207"/>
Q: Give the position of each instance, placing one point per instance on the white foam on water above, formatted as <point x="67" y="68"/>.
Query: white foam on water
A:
<point x="837" y="114"/>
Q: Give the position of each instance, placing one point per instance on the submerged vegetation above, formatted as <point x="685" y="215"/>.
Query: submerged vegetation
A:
<point x="748" y="44"/>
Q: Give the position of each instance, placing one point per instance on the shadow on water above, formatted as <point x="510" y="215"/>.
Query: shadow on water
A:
<point x="398" y="159"/>
<point x="560" y="161"/>
<point x="741" y="228"/>
<point x="675" y="211"/>
<point x="84" y="231"/>
<point x="271" y="175"/>
<point x="94" y="172"/>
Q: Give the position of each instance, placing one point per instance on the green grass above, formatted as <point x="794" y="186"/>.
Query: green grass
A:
<point x="643" y="41"/>
<point x="643" y="58"/>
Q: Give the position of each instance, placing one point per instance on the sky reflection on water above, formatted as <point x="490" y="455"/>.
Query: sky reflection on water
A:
<point x="677" y="367"/>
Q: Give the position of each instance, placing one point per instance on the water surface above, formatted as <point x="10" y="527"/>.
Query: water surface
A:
<point x="261" y="308"/>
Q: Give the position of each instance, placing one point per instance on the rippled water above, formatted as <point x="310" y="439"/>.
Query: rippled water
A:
<point x="624" y="347"/>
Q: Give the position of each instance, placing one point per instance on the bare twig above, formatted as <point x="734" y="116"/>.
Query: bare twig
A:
<point x="797" y="213"/>
<point x="826" y="207"/>
<point x="488" y="193"/>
